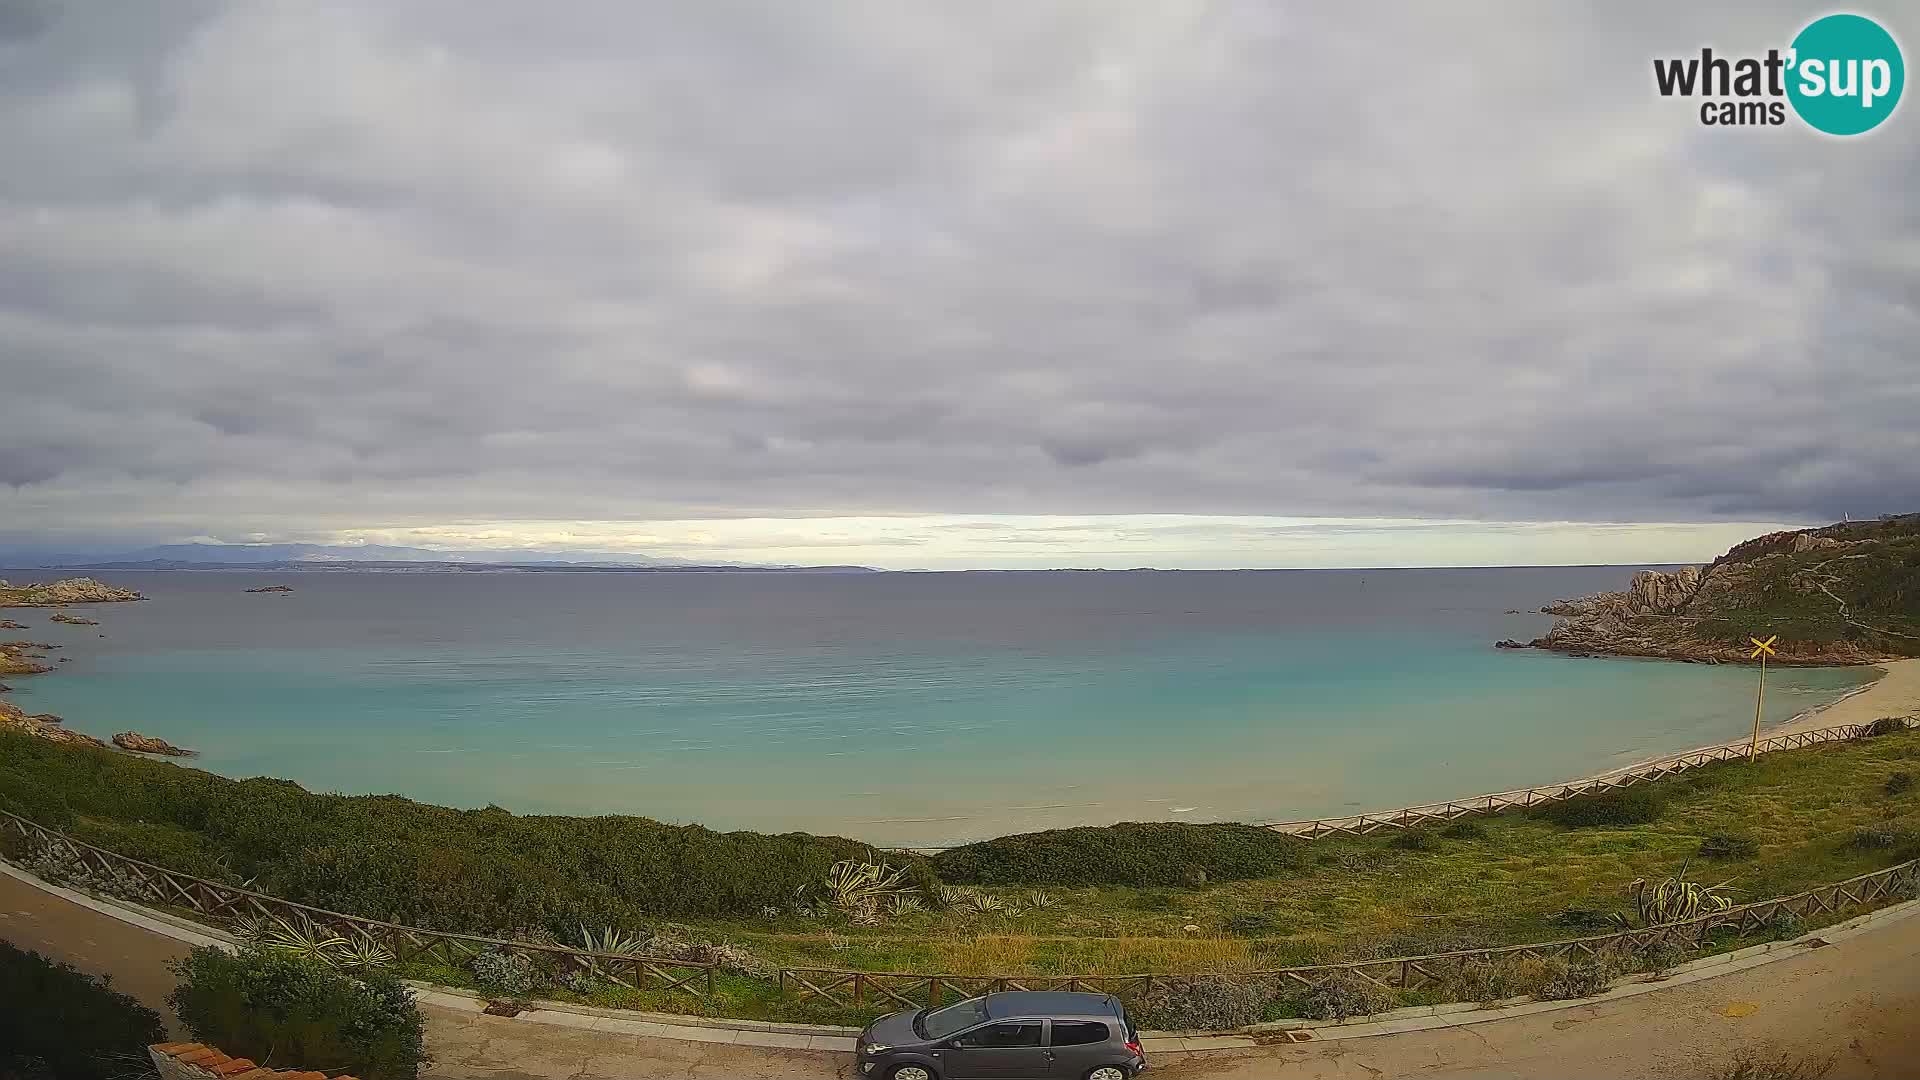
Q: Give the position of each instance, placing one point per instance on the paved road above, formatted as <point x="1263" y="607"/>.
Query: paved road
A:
<point x="1859" y="1000"/>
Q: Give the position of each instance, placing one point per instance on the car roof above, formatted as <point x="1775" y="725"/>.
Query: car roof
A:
<point x="1013" y="1003"/>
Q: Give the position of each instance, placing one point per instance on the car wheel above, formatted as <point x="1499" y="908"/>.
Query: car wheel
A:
<point x="910" y="1072"/>
<point x="1108" y="1072"/>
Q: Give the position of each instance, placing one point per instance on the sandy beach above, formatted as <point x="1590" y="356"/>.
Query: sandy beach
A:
<point x="1897" y="693"/>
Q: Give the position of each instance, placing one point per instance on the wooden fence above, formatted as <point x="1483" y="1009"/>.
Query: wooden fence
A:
<point x="1434" y="813"/>
<point x="240" y="908"/>
<point x="913" y="991"/>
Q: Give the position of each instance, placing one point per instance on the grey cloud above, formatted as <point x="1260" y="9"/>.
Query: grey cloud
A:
<point x="452" y="261"/>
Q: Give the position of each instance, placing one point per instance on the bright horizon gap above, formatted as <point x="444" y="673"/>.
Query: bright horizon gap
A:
<point x="1121" y="541"/>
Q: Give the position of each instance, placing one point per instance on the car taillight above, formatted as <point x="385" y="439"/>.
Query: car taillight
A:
<point x="1134" y="1047"/>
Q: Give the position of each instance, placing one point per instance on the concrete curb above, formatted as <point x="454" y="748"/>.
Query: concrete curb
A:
<point x="840" y="1039"/>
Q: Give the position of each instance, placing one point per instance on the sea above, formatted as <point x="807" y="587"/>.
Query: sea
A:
<point x="904" y="709"/>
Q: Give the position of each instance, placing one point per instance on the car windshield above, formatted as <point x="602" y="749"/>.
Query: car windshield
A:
<point x="940" y="1023"/>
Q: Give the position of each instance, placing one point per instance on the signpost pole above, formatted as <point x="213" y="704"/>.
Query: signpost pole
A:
<point x="1761" y="650"/>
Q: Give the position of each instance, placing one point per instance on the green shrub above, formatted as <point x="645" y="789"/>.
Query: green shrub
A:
<point x="1496" y="978"/>
<point x="1202" y="1003"/>
<point x="921" y="876"/>
<point x="1248" y="923"/>
<point x="290" y="1012"/>
<point x="1466" y="828"/>
<point x="1135" y="853"/>
<point x="1784" y="925"/>
<point x="387" y="857"/>
<point x="1899" y="783"/>
<point x="1728" y="846"/>
<point x="502" y="975"/>
<point x="1877" y="837"/>
<point x="1345" y="995"/>
<point x="1569" y="979"/>
<point x="1886" y="725"/>
<point x="1413" y="840"/>
<point x="61" y="1023"/>
<point x="1636" y="805"/>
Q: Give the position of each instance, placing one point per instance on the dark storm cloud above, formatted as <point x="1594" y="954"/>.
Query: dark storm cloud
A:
<point x="363" y="263"/>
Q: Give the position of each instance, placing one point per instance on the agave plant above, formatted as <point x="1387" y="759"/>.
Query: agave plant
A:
<point x="361" y="954"/>
<point x="904" y="904"/>
<point x="984" y="903"/>
<point x="851" y="885"/>
<point x="1676" y="899"/>
<point x="300" y="937"/>
<point x="1040" y="901"/>
<point x="954" y="896"/>
<point x="610" y="941"/>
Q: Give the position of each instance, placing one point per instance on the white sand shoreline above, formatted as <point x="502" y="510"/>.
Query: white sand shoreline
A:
<point x="1895" y="693"/>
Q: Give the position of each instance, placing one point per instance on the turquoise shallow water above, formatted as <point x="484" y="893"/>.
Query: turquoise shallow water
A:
<point x="914" y="709"/>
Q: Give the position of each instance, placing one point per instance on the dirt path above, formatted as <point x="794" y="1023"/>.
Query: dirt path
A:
<point x="1859" y="999"/>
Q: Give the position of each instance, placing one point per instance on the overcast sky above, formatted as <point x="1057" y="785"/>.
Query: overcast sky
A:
<point x="894" y="282"/>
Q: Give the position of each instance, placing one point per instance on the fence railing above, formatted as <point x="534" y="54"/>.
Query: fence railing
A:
<point x="133" y="879"/>
<point x="909" y="990"/>
<point x="1409" y="817"/>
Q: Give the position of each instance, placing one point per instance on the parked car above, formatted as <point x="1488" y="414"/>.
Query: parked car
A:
<point x="1030" y="1035"/>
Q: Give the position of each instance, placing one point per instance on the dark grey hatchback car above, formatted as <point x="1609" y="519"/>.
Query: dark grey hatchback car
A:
<point x="1030" y="1035"/>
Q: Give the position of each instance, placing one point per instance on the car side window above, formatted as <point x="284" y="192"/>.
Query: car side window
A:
<point x="1013" y="1033"/>
<point x="1078" y="1032"/>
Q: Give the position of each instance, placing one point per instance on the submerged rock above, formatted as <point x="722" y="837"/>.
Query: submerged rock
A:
<point x="146" y="744"/>
<point x="73" y="620"/>
<point x="9" y="624"/>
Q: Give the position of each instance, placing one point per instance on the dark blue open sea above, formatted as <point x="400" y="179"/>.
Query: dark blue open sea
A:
<point x="914" y="709"/>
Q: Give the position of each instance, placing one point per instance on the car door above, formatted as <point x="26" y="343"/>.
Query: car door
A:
<point x="1003" y="1050"/>
<point x="1077" y="1046"/>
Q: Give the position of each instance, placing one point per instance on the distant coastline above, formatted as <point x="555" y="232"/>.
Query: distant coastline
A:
<point x="416" y="567"/>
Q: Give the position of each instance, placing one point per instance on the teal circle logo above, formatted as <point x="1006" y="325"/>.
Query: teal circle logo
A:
<point x="1846" y="74"/>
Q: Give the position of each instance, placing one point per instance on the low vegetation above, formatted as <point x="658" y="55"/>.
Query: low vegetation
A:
<point x="59" y="1024"/>
<point x="1133" y="898"/>
<point x="284" y="1010"/>
<point x="392" y="858"/>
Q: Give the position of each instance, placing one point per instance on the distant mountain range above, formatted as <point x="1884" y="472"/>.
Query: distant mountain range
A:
<point x="362" y="557"/>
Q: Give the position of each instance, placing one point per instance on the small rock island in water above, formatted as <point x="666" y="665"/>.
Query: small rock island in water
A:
<point x="273" y="588"/>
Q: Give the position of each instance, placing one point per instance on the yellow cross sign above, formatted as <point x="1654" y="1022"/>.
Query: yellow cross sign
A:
<point x="1761" y="650"/>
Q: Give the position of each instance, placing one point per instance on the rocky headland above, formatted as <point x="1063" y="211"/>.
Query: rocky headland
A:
<point x="1844" y="594"/>
<point x="60" y="593"/>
